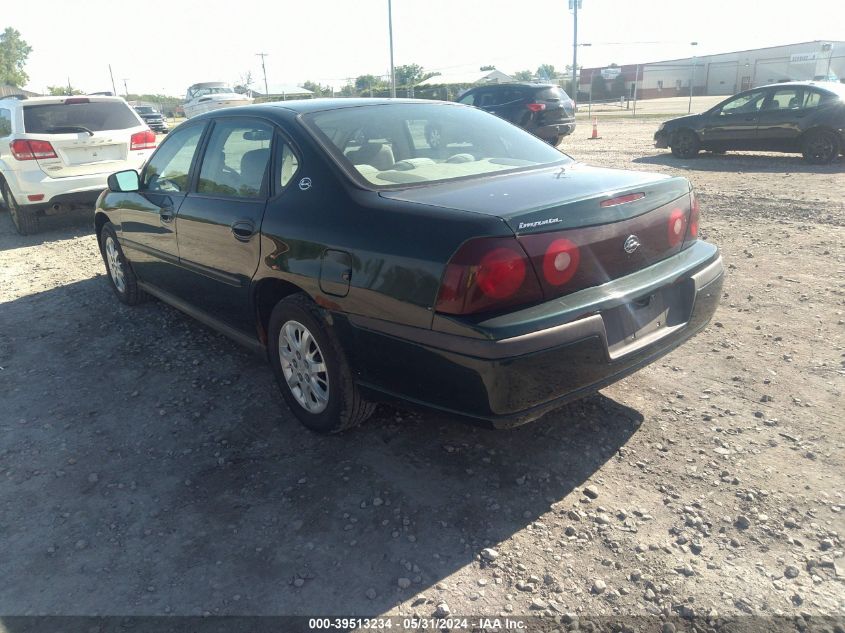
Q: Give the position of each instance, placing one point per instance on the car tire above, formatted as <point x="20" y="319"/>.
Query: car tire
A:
<point x="820" y="147"/>
<point x="25" y="220"/>
<point x="311" y="370"/>
<point x="685" y="144"/>
<point x="557" y="140"/>
<point x="121" y="276"/>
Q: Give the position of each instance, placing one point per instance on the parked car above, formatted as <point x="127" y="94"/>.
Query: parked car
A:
<point x="545" y="110"/>
<point x="153" y="118"/>
<point x="492" y="277"/>
<point x="805" y="117"/>
<point x="56" y="152"/>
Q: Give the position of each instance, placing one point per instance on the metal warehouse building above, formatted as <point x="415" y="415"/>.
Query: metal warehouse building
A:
<point x="721" y="74"/>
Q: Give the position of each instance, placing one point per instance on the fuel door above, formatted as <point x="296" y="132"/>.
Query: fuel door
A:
<point x="335" y="272"/>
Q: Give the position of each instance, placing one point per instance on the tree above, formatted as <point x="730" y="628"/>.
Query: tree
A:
<point x="523" y="75"/>
<point x="410" y="75"/>
<point x="546" y="72"/>
<point x="317" y="89"/>
<point x="619" y="86"/>
<point x="490" y="67"/>
<point x="366" y="83"/>
<point x="348" y="91"/>
<point x="58" y="91"/>
<point x="245" y="82"/>
<point x="599" y="87"/>
<point x="14" y="52"/>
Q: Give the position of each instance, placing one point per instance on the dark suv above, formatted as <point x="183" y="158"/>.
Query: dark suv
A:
<point x="545" y="110"/>
<point x="153" y="118"/>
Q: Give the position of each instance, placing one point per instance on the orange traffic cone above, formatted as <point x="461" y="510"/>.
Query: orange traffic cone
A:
<point x="595" y="134"/>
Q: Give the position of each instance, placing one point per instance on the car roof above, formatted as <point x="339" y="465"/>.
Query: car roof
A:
<point x="830" y="86"/>
<point x="305" y="106"/>
<point x="58" y="99"/>
<point x="516" y="84"/>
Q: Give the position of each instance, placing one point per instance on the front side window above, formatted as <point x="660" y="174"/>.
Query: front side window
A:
<point x="236" y="159"/>
<point x="5" y="122"/>
<point x="407" y="144"/>
<point x="169" y="167"/>
<point x="744" y="104"/>
<point x="78" y="116"/>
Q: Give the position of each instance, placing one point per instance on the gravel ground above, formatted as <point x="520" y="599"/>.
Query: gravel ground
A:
<point x="148" y="465"/>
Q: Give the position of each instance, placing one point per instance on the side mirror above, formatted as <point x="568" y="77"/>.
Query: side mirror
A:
<point x="124" y="181"/>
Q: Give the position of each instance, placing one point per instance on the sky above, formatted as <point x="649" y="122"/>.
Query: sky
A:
<point x="163" y="47"/>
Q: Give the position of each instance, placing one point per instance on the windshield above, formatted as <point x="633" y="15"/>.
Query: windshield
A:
<point x="201" y="92"/>
<point x="400" y="144"/>
<point x="95" y="116"/>
<point x="145" y="110"/>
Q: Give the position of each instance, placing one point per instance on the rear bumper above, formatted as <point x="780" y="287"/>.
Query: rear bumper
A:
<point x="553" y="131"/>
<point x="69" y="191"/>
<point x="509" y="381"/>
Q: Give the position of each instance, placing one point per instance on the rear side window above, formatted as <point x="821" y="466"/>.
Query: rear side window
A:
<point x="63" y="118"/>
<point x="236" y="159"/>
<point x="5" y="122"/>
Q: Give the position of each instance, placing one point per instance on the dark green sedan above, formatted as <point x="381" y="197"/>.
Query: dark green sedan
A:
<point x="491" y="276"/>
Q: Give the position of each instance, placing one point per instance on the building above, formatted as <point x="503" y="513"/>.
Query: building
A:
<point x="282" y="92"/>
<point x="12" y="91"/>
<point x="720" y="74"/>
<point x="466" y="79"/>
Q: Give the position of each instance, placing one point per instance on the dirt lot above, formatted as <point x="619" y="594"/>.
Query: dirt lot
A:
<point x="148" y="465"/>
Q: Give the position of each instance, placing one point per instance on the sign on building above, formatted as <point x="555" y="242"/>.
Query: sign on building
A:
<point x="611" y="73"/>
<point x="803" y="58"/>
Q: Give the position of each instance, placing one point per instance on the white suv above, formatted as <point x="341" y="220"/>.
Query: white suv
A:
<point x="56" y="152"/>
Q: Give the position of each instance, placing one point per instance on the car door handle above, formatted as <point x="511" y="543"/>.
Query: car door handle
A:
<point x="165" y="211"/>
<point x="243" y="230"/>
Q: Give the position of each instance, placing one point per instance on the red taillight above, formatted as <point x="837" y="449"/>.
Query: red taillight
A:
<point x="487" y="274"/>
<point x="77" y="100"/>
<point x="142" y="140"/>
<point x="501" y="273"/>
<point x="32" y="150"/>
<point x="694" y="217"/>
<point x="536" y="107"/>
<point x="560" y="261"/>
<point x="677" y="227"/>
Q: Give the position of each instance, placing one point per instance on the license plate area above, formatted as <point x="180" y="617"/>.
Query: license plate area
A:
<point x="92" y="154"/>
<point x="647" y="318"/>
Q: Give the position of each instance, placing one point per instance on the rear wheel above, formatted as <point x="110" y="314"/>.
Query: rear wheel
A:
<point x="685" y="144"/>
<point x="820" y="147"/>
<point x="311" y="369"/>
<point x="25" y="220"/>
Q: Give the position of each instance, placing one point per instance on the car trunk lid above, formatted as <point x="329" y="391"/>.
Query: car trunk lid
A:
<point x="579" y="226"/>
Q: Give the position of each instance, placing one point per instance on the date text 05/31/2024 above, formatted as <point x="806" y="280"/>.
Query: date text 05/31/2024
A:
<point x="411" y="624"/>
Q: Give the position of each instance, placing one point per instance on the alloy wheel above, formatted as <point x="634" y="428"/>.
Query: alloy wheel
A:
<point x="304" y="367"/>
<point x="821" y="148"/>
<point x="115" y="266"/>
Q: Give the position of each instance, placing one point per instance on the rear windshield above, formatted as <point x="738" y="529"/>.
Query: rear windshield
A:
<point x="406" y="144"/>
<point x="60" y="118"/>
<point x="552" y="94"/>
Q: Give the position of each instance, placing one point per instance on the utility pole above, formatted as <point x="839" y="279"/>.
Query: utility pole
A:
<point x="126" y="86"/>
<point x="574" y="4"/>
<point x="692" y="79"/>
<point x="111" y="74"/>
<point x="390" y="30"/>
<point x="264" y="70"/>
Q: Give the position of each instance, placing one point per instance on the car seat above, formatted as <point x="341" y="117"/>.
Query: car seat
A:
<point x="253" y="171"/>
<point x="374" y="153"/>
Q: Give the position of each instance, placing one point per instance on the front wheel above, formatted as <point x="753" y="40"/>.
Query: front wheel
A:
<point x="122" y="277"/>
<point x="685" y="144"/>
<point x="25" y="220"/>
<point x="311" y="369"/>
<point x="820" y="147"/>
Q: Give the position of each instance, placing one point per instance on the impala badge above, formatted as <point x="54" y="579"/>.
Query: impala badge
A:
<point x="305" y="184"/>
<point x="631" y="244"/>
